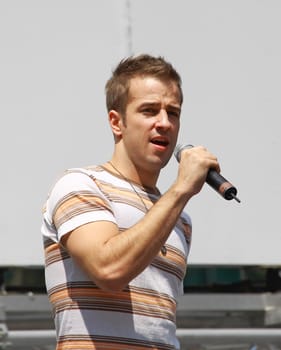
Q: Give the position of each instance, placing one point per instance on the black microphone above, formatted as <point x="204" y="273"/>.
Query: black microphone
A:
<point x="214" y="179"/>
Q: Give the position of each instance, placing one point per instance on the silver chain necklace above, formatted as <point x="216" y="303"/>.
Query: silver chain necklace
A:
<point x="130" y="183"/>
<point x="163" y="248"/>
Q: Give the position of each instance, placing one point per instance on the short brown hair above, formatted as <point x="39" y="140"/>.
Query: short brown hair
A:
<point x="117" y="87"/>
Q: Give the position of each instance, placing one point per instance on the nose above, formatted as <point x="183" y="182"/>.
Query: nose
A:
<point x="163" y="120"/>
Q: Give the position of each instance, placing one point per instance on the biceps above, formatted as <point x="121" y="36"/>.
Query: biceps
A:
<point x="86" y="243"/>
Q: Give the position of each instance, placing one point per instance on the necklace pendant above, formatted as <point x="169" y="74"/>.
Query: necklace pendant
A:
<point x="163" y="250"/>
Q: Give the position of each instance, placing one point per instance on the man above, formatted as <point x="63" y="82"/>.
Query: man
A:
<point x="116" y="248"/>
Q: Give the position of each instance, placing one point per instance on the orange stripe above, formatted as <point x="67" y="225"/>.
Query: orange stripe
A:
<point x="98" y="345"/>
<point x="76" y="201"/>
<point x="129" y="296"/>
<point x="123" y="193"/>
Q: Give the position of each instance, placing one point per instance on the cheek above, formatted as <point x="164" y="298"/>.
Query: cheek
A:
<point x="135" y="135"/>
<point x="176" y="127"/>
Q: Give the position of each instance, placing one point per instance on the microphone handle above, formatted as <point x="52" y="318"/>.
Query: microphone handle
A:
<point x="221" y="185"/>
<point x="214" y="179"/>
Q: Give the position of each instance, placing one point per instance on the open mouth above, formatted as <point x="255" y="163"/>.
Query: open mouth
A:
<point x="160" y="142"/>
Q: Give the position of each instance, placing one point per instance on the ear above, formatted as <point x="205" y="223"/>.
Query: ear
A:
<point x="116" y="122"/>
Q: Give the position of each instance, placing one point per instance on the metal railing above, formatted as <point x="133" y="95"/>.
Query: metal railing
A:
<point x="252" y="337"/>
<point x="208" y="338"/>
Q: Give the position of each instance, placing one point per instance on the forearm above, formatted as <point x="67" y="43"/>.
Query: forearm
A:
<point x="126" y="254"/>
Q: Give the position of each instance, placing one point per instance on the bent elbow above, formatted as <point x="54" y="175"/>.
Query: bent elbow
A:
<point x="110" y="281"/>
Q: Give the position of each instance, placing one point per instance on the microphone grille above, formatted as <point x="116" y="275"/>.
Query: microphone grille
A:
<point x="178" y="149"/>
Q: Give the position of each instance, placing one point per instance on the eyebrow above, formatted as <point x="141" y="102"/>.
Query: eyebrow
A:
<point x="156" y="104"/>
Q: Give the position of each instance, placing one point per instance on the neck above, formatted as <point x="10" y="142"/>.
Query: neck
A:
<point x="131" y="173"/>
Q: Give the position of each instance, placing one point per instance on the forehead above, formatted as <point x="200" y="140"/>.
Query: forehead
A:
<point x="150" y="88"/>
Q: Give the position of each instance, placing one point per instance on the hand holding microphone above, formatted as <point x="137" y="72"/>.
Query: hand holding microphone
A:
<point x="214" y="179"/>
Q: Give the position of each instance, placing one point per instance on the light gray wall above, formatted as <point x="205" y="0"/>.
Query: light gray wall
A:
<point x="55" y="59"/>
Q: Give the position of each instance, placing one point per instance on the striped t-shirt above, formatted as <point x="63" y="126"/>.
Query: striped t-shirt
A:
<point x="142" y="316"/>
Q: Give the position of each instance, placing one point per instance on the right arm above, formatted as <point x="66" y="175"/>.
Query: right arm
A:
<point x="112" y="259"/>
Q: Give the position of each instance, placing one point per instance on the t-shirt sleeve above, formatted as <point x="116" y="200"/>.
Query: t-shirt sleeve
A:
<point x="76" y="200"/>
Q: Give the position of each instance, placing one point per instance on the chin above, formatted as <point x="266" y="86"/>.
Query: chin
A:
<point x="160" y="163"/>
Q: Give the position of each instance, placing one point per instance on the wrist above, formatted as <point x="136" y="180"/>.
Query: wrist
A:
<point x="180" y="193"/>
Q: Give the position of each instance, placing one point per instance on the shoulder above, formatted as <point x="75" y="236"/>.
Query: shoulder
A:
<point x="74" y="181"/>
<point x="78" y="176"/>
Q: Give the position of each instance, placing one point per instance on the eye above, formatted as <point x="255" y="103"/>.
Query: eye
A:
<point x="174" y="114"/>
<point x="149" y="111"/>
